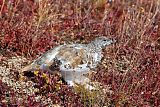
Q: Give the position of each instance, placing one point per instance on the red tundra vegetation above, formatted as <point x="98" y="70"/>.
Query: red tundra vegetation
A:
<point x="129" y="74"/>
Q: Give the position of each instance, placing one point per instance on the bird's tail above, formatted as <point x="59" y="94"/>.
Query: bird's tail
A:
<point x="29" y="67"/>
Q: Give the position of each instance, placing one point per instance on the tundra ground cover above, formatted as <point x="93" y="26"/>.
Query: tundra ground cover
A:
<point x="129" y="74"/>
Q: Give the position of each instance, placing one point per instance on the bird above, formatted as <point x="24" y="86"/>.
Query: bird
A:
<point x="73" y="60"/>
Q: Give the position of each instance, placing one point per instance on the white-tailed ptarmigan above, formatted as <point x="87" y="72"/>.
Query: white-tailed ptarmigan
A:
<point x="73" y="60"/>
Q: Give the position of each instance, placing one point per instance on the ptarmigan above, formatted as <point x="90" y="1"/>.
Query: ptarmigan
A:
<point x="73" y="60"/>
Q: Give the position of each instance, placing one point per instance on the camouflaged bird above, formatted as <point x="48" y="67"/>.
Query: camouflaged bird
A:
<point x="73" y="60"/>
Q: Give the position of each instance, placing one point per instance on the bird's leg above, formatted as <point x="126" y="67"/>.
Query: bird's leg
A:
<point x="70" y="83"/>
<point x="82" y="80"/>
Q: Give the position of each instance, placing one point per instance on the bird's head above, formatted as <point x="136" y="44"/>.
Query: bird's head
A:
<point x="103" y="41"/>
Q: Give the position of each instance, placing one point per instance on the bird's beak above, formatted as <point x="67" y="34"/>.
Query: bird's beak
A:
<point x="111" y="41"/>
<point x="114" y="41"/>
